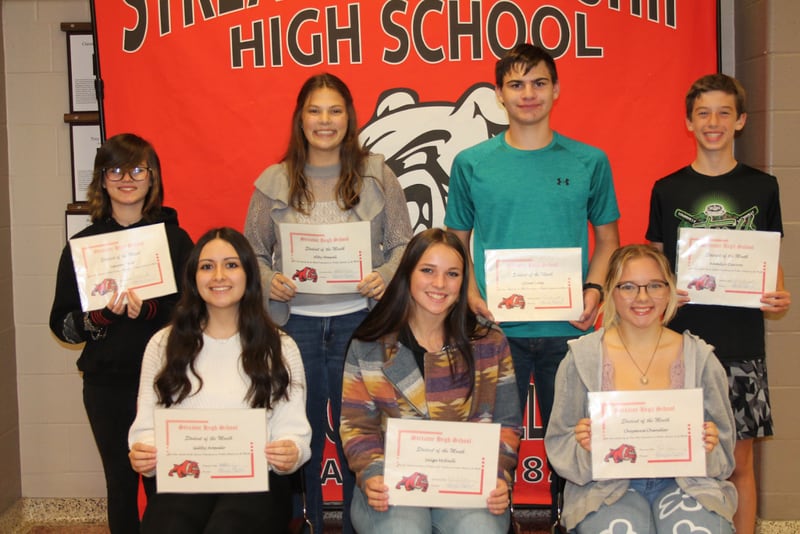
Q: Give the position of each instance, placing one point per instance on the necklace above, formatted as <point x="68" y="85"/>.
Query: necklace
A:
<point x="643" y="379"/>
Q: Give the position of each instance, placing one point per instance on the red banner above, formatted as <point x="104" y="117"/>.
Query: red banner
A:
<point x="212" y="83"/>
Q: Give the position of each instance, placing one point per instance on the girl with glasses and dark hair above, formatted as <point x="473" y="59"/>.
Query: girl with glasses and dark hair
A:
<point x="635" y="351"/>
<point x="115" y="336"/>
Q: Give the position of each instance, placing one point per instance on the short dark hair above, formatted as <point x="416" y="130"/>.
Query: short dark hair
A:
<point x="524" y="56"/>
<point x="716" y="82"/>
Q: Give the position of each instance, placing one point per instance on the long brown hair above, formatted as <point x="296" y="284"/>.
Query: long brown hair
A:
<point x="393" y="311"/>
<point x="261" y="357"/>
<point x="351" y="153"/>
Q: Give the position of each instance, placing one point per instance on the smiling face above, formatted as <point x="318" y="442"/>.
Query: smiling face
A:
<point x="643" y="310"/>
<point x="220" y="278"/>
<point x="528" y="97"/>
<point x="436" y="282"/>
<point x="324" y="122"/>
<point x="127" y="193"/>
<point x="714" y="122"/>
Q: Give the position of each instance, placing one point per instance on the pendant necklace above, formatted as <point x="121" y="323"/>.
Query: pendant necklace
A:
<point x="643" y="379"/>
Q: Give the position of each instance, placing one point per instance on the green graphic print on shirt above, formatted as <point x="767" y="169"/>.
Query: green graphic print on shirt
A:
<point x="714" y="214"/>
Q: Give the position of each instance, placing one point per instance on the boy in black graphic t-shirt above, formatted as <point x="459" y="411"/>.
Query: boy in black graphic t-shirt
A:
<point x="714" y="184"/>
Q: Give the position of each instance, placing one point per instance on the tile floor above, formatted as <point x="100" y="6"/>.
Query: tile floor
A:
<point x="87" y="516"/>
<point x="330" y="528"/>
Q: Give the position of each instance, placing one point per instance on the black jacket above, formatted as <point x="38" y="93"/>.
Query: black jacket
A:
<point x="116" y="355"/>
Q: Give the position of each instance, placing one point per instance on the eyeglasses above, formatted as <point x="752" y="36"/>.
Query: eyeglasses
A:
<point x="137" y="174"/>
<point x="629" y="290"/>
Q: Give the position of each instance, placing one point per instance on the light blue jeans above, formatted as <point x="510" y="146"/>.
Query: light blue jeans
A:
<point x="654" y="505"/>
<point x="414" y="520"/>
<point x="323" y="345"/>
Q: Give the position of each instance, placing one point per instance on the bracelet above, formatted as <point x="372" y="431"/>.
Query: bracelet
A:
<point x="97" y="332"/>
<point x="598" y="287"/>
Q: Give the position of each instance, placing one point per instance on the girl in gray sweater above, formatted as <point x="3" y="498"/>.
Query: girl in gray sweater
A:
<point x="635" y="351"/>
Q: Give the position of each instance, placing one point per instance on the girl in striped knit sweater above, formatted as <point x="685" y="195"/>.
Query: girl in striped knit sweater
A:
<point x="421" y="354"/>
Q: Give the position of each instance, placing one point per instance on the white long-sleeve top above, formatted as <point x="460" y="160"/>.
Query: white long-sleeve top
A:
<point x="225" y="385"/>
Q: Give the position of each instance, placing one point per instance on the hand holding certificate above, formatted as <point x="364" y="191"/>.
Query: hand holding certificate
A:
<point x="326" y="259"/>
<point x="440" y="464"/>
<point x="534" y="284"/>
<point x="727" y="268"/>
<point x="136" y="258"/>
<point x="211" y="451"/>
<point x="647" y="434"/>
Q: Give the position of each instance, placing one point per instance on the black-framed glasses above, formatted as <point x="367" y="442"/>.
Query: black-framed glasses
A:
<point x="657" y="289"/>
<point x="116" y="174"/>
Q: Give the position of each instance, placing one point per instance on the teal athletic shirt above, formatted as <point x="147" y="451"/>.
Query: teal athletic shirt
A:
<point x="543" y="198"/>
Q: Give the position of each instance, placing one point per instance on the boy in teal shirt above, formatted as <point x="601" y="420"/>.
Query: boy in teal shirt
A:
<point x="531" y="187"/>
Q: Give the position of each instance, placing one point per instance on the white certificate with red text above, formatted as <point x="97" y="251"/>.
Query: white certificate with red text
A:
<point x="326" y="259"/>
<point x="725" y="267"/>
<point x="534" y="284"/>
<point x="647" y="434"/>
<point x="211" y="451"/>
<point x="136" y="258"/>
<point x="440" y="464"/>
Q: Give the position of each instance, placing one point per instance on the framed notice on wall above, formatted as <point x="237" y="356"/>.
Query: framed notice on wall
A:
<point x="85" y="140"/>
<point x="80" y="52"/>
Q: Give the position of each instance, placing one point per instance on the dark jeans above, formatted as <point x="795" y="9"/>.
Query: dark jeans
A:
<point x="323" y="344"/>
<point x="540" y="357"/>
<point x="221" y="513"/>
<point x="111" y="409"/>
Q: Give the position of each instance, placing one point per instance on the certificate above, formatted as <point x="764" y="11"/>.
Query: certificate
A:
<point x="646" y="434"/>
<point x="729" y="268"/>
<point x="534" y="284"/>
<point x="211" y="451"/>
<point x="136" y="259"/>
<point x="325" y="259"/>
<point x="440" y="464"/>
